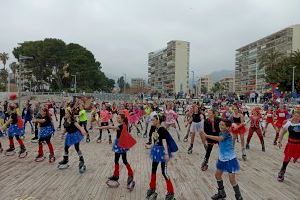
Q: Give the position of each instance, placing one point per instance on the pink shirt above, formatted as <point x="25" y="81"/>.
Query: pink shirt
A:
<point x="104" y="115"/>
<point x="170" y="116"/>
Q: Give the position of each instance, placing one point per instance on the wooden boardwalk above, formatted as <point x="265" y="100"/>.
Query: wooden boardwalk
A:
<point x="26" y="179"/>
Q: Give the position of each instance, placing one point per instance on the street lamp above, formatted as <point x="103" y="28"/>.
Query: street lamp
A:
<point x="75" y="84"/>
<point x="124" y="83"/>
<point x="256" y="78"/>
<point x="193" y="84"/>
<point x="22" y="60"/>
<point x="293" y="83"/>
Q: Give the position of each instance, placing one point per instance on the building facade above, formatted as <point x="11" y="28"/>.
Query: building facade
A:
<point x="137" y="85"/>
<point x="168" y="69"/>
<point x="227" y="84"/>
<point x="249" y="76"/>
<point x="205" y="84"/>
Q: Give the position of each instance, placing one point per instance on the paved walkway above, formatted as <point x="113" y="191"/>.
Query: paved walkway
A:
<point x="26" y="179"/>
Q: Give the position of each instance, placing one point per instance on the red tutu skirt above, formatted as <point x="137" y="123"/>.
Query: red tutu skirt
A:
<point x="240" y="131"/>
<point x="292" y="150"/>
<point x="269" y="120"/>
<point x="279" y="123"/>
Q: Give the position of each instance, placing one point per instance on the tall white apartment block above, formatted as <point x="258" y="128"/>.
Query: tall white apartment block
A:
<point x="248" y="76"/>
<point x="168" y="69"/>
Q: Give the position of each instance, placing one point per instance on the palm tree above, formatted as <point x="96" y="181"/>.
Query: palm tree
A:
<point x="14" y="66"/>
<point x="4" y="57"/>
<point x="295" y="58"/>
<point x="3" y="76"/>
<point x="270" y="60"/>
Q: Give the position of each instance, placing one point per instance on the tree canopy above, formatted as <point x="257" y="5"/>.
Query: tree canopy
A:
<point x="56" y="63"/>
<point x="279" y="69"/>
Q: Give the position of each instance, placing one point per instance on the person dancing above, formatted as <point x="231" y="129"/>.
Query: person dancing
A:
<point x="238" y="129"/>
<point x="292" y="148"/>
<point x="281" y="115"/>
<point x="227" y="161"/>
<point x="161" y="152"/>
<point x="255" y="127"/>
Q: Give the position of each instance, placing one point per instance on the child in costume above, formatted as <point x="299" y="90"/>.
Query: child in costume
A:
<point x="161" y="152"/>
<point x="2" y="118"/>
<point x="123" y="142"/>
<point x="292" y="148"/>
<point x="171" y="117"/>
<point x="227" y="161"/>
<point x="269" y="119"/>
<point x="255" y="127"/>
<point x="104" y="118"/>
<point x="45" y="133"/>
<point x="152" y="128"/>
<point x="281" y="115"/>
<point x="211" y="127"/>
<point x="238" y="128"/>
<point x="197" y="124"/>
<point x="74" y="135"/>
<point x="16" y="129"/>
<point x="83" y="118"/>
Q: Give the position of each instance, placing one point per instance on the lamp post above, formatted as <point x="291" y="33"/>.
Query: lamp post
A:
<point x="193" y="84"/>
<point x="293" y="83"/>
<point x="124" y="83"/>
<point x="75" y="84"/>
<point x="256" y="78"/>
<point x="22" y="60"/>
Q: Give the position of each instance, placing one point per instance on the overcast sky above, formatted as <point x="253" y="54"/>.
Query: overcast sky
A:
<point x="121" y="33"/>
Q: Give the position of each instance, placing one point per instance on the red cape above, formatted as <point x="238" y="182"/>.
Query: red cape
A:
<point x="126" y="141"/>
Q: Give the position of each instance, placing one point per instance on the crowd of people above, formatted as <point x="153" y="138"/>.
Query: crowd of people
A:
<point x="157" y="122"/>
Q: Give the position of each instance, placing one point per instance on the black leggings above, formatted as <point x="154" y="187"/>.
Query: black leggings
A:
<point x="46" y="139"/>
<point x="164" y="169"/>
<point x="12" y="137"/>
<point x="124" y="158"/>
<point x="104" y="124"/>
<point x="36" y="130"/>
<point x="177" y="123"/>
<point x="246" y="113"/>
<point x="208" y="151"/>
<point x="76" y="148"/>
<point x="61" y="116"/>
<point x="84" y="124"/>
<point x="152" y="130"/>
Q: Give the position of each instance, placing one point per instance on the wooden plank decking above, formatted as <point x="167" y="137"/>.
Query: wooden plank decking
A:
<point x="26" y="179"/>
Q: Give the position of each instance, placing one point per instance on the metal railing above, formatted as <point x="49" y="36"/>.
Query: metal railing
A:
<point x="98" y="96"/>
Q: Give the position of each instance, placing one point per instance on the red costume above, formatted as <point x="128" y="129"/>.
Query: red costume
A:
<point x="281" y="117"/>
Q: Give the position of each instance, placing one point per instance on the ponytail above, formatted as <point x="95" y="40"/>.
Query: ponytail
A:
<point x="124" y="118"/>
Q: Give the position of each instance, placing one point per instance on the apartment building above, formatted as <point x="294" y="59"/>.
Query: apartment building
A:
<point x="227" y="84"/>
<point x="168" y="68"/>
<point x="249" y="76"/>
<point x="205" y="82"/>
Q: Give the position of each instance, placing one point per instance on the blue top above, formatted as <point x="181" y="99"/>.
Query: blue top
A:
<point x="226" y="148"/>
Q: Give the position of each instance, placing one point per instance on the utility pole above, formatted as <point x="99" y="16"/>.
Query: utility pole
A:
<point x="193" y="84"/>
<point x="21" y="60"/>
<point x="256" y="78"/>
<point x="124" y="83"/>
<point x="75" y="83"/>
<point x="293" y="83"/>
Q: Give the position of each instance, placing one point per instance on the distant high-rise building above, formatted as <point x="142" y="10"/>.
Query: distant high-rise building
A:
<point x="248" y="75"/>
<point x="205" y="82"/>
<point x="168" y="70"/>
<point x="137" y="83"/>
<point x="227" y="84"/>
